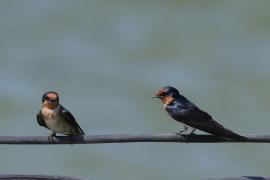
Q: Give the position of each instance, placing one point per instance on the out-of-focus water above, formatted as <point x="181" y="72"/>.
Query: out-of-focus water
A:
<point x="107" y="59"/>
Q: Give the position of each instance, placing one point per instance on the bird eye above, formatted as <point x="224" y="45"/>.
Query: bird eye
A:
<point x="162" y="94"/>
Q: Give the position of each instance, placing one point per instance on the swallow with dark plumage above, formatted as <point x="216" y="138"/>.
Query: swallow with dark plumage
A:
<point x="56" y="118"/>
<point x="184" y="111"/>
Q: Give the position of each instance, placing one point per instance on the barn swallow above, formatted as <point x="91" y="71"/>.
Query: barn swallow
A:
<point x="184" y="111"/>
<point x="57" y="118"/>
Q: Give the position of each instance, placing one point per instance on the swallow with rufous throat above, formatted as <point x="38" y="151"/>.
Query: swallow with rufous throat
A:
<point x="184" y="111"/>
<point x="57" y="118"/>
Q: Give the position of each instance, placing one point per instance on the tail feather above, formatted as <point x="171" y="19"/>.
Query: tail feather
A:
<point x="224" y="132"/>
<point x="212" y="127"/>
<point x="216" y="129"/>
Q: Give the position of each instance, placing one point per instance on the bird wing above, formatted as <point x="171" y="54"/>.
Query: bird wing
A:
<point x="201" y="120"/>
<point x="40" y="120"/>
<point x="71" y="119"/>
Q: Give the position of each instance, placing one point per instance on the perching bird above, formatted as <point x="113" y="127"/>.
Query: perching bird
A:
<point x="56" y="118"/>
<point x="184" y="111"/>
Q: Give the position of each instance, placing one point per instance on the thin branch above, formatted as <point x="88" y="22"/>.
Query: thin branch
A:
<point x="126" y="138"/>
<point x="38" y="176"/>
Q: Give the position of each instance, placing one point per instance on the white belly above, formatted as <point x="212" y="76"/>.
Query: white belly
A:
<point x="54" y="121"/>
<point x="54" y="124"/>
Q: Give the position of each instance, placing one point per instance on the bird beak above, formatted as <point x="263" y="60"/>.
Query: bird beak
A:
<point x="156" y="96"/>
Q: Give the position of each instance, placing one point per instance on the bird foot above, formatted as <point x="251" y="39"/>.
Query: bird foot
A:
<point x="192" y="133"/>
<point x="180" y="132"/>
<point x="181" y="135"/>
<point x="50" y="138"/>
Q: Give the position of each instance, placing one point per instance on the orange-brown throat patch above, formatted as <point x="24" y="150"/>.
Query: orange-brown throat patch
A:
<point x="167" y="99"/>
<point x="50" y="105"/>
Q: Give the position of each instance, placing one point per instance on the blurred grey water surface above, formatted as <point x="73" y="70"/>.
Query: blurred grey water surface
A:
<point x="106" y="59"/>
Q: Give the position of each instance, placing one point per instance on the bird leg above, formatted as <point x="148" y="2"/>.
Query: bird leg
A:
<point x="183" y="130"/>
<point x="192" y="132"/>
<point x="50" y="138"/>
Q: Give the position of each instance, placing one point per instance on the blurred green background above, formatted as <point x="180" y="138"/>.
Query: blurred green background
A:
<point x="106" y="59"/>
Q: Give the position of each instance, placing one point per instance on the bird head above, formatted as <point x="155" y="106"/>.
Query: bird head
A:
<point x="50" y="99"/>
<point x="167" y="94"/>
